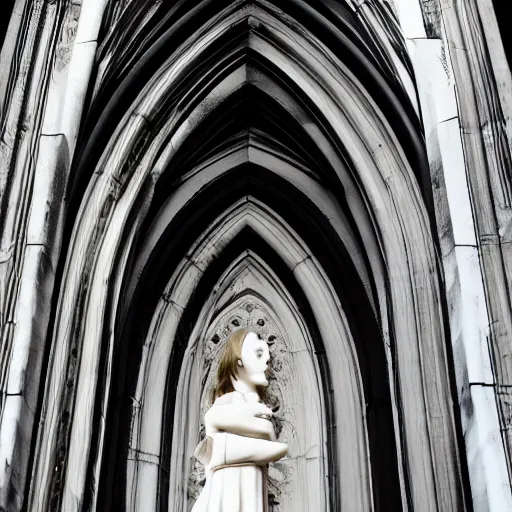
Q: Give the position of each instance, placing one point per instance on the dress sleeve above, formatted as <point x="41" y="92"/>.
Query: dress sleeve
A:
<point x="238" y="418"/>
<point x="203" y="451"/>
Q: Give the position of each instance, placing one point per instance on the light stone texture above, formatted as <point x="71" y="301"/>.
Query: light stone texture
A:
<point x="469" y="320"/>
<point x="42" y="97"/>
<point x="491" y="489"/>
<point x="410" y="17"/>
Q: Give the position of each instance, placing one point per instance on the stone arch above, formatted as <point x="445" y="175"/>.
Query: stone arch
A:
<point x="296" y="258"/>
<point x="381" y="190"/>
<point x="295" y="389"/>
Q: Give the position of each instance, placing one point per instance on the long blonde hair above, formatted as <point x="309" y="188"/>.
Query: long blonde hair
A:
<point x="228" y="366"/>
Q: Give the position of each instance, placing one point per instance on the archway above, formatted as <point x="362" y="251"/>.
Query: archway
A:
<point x="364" y="269"/>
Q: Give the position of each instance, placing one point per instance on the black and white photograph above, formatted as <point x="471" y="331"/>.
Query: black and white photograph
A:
<point x="255" y="256"/>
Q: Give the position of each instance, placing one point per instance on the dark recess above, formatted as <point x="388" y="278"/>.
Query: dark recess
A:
<point x="503" y="10"/>
<point x="5" y="17"/>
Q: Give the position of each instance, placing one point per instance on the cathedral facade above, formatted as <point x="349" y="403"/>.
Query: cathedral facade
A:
<point x="335" y="174"/>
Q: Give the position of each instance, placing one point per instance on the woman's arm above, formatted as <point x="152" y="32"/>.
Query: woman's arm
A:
<point x="234" y="449"/>
<point x="242" y="419"/>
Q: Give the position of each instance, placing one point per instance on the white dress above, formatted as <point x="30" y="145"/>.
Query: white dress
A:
<point x="234" y="489"/>
<point x="238" y="487"/>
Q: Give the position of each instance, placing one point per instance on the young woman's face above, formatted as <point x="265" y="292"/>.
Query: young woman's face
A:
<point x="255" y="356"/>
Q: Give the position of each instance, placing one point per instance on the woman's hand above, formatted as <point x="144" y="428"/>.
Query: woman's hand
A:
<point x="259" y="410"/>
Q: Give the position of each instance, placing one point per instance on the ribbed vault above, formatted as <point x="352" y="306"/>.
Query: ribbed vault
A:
<point x="244" y="163"/>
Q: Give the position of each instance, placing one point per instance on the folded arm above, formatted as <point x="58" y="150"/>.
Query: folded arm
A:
<point x="239" y="432"/>
<point x="231" y="449"/>
<point x="242" y="420"/>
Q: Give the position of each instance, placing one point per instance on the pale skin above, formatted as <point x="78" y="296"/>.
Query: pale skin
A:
<point x="243" y="432"/>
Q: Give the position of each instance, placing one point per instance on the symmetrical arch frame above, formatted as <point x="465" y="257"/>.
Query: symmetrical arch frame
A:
<point x="383" y="201"/>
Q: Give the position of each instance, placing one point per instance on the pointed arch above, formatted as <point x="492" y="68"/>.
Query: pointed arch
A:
<point x="308" y="448"/>
<point x="369" y="338"/>
<point x="379" y="210"/>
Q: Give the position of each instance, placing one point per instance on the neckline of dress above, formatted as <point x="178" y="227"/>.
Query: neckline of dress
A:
<point x="245" y="396"/>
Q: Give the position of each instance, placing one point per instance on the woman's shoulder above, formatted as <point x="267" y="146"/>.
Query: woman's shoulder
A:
<point x="226" y="398"/>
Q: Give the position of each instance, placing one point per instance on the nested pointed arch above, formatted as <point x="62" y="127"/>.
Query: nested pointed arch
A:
<point x="339" y="33"/>
<point x="248" y="280"/>
<point x="183" y="153"/>
<point x="342" y="26"/>
<point x="320" y="294"/>
<point x="297" y="391"/>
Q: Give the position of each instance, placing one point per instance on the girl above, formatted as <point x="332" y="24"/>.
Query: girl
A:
<point x="240" y="439"/>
